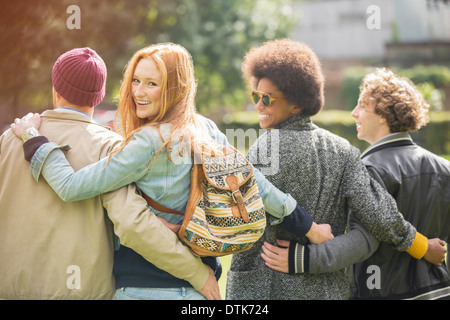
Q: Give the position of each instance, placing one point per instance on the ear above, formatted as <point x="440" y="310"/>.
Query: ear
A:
<point x="296" y="110"/>
<point x="57" y="98"/>
<point x="56" y="95"/>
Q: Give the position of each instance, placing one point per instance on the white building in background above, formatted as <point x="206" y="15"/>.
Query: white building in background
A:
<point x="344" y="29"/>
<point x="346" y="33"/>
<point x="338" y="29"/>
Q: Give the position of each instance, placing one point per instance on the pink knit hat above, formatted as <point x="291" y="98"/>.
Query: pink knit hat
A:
<point x="79" y="76"/>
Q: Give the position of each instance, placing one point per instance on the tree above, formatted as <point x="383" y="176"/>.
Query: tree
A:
<point x="216" y="32"/>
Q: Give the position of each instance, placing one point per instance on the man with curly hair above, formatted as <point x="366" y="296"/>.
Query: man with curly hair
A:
<point x="320" y="170"/>
<point x="388" y="109"/>
<point x="388" y="104"/>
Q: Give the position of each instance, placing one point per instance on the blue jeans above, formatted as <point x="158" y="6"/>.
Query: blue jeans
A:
<point x="132" y="293"/>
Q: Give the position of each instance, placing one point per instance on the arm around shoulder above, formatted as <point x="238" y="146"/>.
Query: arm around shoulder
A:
<point x="124" y="167"/>
<point x="374" y="207"/>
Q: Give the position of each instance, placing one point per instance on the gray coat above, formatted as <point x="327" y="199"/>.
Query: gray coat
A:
<point x="324" y="173"/>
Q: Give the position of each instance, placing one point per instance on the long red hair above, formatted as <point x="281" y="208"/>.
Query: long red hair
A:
<point x="178" y="89"/>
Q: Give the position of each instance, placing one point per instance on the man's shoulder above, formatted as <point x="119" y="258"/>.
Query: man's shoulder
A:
<point x="56" y="122"/>
<point x="98" y="129"/>
<point x="79" y="131"/>
<point x="7" y="138"/>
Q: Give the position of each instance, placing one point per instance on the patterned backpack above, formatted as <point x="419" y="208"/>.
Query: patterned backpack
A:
<point x="224" y="213"/>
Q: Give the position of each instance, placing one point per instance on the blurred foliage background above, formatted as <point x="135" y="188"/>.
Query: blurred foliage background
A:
<point x="33" y="33"/>
<point x="217" y="34"/>
<point x="430" y="81"/>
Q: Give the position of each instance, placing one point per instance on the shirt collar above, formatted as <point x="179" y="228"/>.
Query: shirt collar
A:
<point x="73" y="109"/>
<point x="297" y="122"/>
<point x="398" y="136"/>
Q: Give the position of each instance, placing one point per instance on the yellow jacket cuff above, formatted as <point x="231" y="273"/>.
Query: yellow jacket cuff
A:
<point x="419" y="246"/>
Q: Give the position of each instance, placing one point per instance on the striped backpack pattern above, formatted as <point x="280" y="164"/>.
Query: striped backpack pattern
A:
<point x="225" y="212"/>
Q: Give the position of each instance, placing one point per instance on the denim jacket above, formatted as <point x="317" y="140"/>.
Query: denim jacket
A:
<point x="165" y="181"/>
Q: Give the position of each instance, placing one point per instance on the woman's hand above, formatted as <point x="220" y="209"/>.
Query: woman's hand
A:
<point x="30" y="120"/>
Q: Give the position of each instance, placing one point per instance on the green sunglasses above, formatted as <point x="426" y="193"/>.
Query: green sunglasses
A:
<point x="265" y="97"/>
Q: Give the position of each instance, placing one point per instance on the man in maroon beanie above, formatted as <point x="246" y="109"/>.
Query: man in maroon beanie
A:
<point x="52" y="249"/>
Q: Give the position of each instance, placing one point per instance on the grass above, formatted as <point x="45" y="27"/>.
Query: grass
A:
<point x="225" y="261"/>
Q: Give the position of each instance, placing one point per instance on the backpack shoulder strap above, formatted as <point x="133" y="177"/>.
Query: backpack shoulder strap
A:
<point x="158" y="206"/>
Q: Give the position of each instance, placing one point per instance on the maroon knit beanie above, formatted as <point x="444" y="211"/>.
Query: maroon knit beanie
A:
<point x="79" y="76"/>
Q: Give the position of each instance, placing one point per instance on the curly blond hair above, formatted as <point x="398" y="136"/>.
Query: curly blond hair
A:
<point x="396" y="99"/>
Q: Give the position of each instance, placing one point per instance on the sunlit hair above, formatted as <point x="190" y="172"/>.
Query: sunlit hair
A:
<point x="396" y="99"/>
<point x="178" y="89"/>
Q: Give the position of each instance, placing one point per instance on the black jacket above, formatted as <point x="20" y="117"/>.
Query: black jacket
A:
<point x="420" y="183"/>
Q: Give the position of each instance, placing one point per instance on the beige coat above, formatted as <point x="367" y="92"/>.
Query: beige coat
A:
<point x="50" y="249"/>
